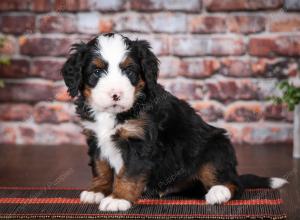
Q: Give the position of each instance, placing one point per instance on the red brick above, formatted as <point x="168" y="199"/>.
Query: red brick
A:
<point x="57" y="23"/>
<point x="206" y="24"/>
<point x="8" y="134"/>
<point x="17" y="24"/>
<point x="271" y="46"/>
<point x="71" y="5"/>
<point x="208" y="110"/>
<point x="284" y="23"/>
<point x="218" y="46"/>
<point x="242" y="5"/>
<point x="244" y="112"/>
<point x="161" y="5"/>
<point x="168" y="22"/>
<point x="278" y="113"/>
<point x="262" y="46"/>
<point x="267" y="133"/>
<point x="183" y="89"/>
<point x="15" y="5"/>
<point x="246" y="23"/>
<point x="17" y="68"/>
<point x="9" y="46"/>
<point x="53" y="113"/>
<point x="42" y="5"/>
<point x="199" y="68"/>
<point x="26" y="91"/>
<point x="48" y="69"/>
<point x="169" y="67"/>
<point x="61" y="93"/>
<point x="229" y="89"/>
<point x="15" y="112"/>
<point x="39" y="46"/>
<point x="235" y="67"/>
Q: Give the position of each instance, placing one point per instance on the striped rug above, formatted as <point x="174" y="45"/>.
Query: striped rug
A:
<point x="23" y="202"/>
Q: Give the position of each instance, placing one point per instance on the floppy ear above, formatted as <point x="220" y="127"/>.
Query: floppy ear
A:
<point x="149" y="62"/>
<point x="72" y="69"/>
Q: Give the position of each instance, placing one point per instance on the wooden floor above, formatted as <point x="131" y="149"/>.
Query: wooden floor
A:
<point x="67" y="166"/>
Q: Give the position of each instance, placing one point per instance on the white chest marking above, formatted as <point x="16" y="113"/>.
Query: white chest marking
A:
<point x="104" y="128"/>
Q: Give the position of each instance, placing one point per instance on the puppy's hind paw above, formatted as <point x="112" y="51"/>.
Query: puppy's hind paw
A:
<point x="111" y="204"/>
<point x="91" y="197"/>
<point x="218" y="194"/>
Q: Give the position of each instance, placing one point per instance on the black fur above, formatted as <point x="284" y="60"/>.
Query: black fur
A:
<point x="177" y="140"/>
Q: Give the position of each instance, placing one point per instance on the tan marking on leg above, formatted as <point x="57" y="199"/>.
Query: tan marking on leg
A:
<point x="207" y="175"/>
<point x="129" y="188"/>
<point x="104" y="180"/>
<point x="232" y="188"/>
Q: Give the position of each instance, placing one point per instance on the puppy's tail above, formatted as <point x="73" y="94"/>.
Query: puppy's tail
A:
<point x="253" y="181"/>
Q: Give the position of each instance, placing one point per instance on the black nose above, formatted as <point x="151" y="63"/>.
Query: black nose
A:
<point x="115" y="97"/>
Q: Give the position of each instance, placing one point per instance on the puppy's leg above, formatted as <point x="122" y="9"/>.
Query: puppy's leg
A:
<point x="126" y="190"/>
<point x="220" y="188"/>
<point x="101" y="184"/>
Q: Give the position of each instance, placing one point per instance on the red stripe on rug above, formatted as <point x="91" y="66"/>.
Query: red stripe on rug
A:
<point x="139" y="202"/>
<point x="151" y="215"/>
<point x="39" y="200"/>
<point x="203" y="202"/>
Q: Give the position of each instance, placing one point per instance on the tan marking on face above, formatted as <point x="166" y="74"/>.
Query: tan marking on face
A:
<point x="126" y="62"/>
<point x="103" y="182"/>
<point x="99" y="63"/>
<point x="129" y="188"/>
<point x="133" y="128"/>
<point x="87" y="92"/>
<point x="207" y="175"/>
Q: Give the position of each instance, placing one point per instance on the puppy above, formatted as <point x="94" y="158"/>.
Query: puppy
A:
<point x="142" y="137"/>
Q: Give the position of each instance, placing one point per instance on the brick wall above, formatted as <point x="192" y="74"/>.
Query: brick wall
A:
<point x="224" y="57"/>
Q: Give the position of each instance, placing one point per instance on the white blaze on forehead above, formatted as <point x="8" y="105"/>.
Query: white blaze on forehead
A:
<point x="113" y="49"/>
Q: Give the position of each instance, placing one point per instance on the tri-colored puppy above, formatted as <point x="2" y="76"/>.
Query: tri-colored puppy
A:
<point x="139" y="135"/>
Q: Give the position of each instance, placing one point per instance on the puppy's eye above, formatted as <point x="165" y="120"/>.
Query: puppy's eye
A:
<point x="94" y="77"/>
<point x="97" y="72"/>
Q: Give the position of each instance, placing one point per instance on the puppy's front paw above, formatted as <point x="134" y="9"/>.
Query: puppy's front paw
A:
<point x="91" y="197"/>
<point x="218" y="194"/>
<point x="111" y="204"/>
